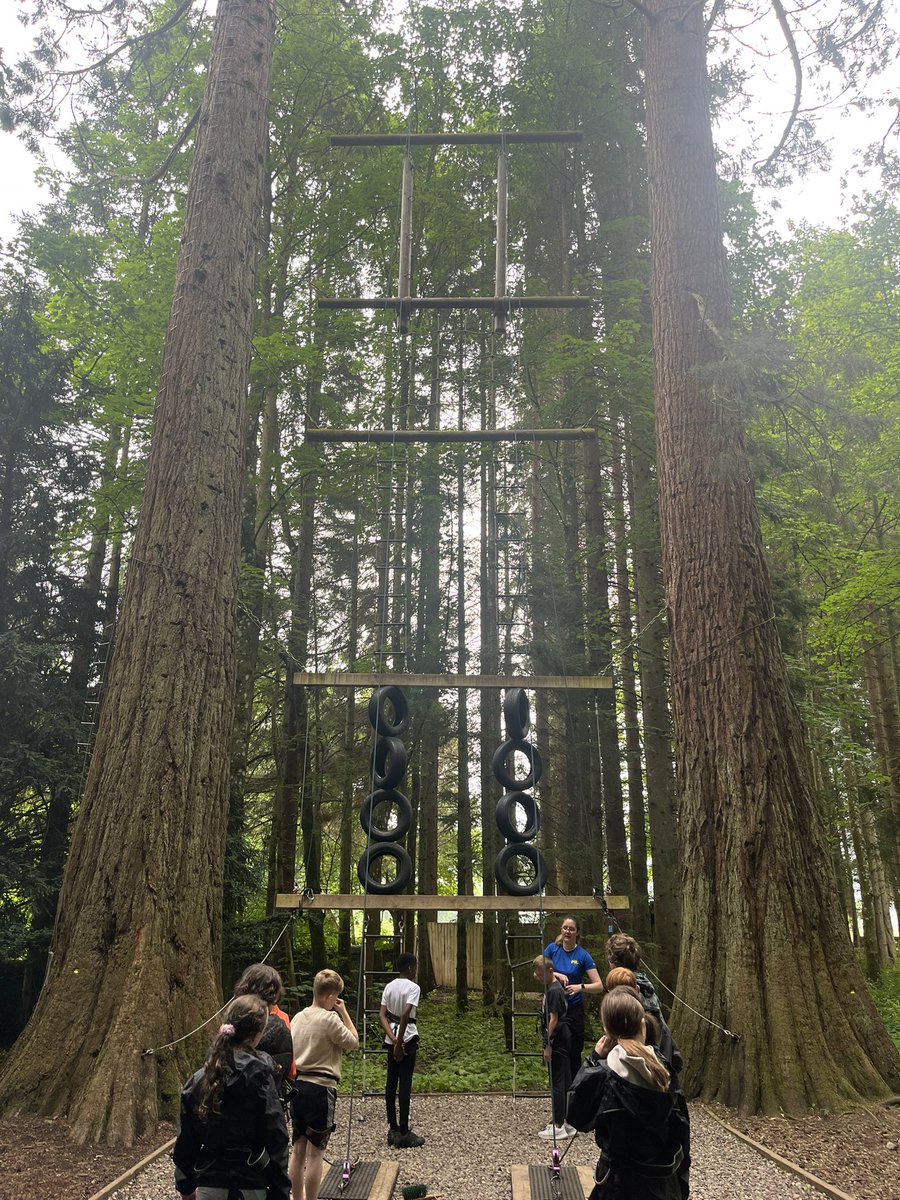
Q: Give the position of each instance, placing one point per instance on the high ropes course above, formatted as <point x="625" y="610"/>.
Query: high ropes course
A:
<point x="520" y="871"/>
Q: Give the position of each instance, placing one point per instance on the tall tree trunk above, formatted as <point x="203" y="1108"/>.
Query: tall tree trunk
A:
<point x="637" y="814"/>
<point x="136" y="947"/>
<point x="348" y="816"/>
<point x="464" y="863"/>
<point x="758" y="858"/>
<point x="429" y="639"/>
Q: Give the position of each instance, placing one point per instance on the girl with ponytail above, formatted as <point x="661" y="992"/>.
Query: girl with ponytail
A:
<point x="627" y="1096"/>
<point x="233" y="1141"/>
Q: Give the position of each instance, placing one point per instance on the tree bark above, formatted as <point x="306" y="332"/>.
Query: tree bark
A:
<point x="136" y="947"/>
<point x="756" y="856"/>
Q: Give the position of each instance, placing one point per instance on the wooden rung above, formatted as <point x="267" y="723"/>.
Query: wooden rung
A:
<point x="504" y="304"/>
<point x="407" y="903"/>
<point x="449" y="435"/>
<point x="575" y="683"/>
<point x="552" y="136"/>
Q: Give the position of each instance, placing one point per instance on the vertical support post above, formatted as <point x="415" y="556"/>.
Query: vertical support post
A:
<point x="404" y="283"/>
<point x="502" y="209"/>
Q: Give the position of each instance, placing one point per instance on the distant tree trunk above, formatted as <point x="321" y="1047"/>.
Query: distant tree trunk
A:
<point x="464" y="863"/>
<point x="429" y="658"/>
<point x="601" y="658"/>
<point x="64" y="794"/>
<point x="756" y="856"/>
<point x="348" y="815"/>
<point x="491" y="736"/>
<point x="650" y="613"/>
<point x="296" y="789"/>
<point x="135" y="955"/>
<point x="637" y="815"/>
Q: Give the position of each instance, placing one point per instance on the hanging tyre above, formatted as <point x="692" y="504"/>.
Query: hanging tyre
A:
<point x="380" y="833"/>
<point x="506" y="817"/>
<point x="371" y="856"/>
<point x="388" y="762"/>
<point x="394" y="699"/>
<point x="532" y="755"/>
<point x="516" y="713"/>
<point x="508" y="882"/>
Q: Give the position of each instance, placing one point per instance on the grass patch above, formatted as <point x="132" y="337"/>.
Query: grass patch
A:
<point x="886" y="994"/>
<point x="459" y="1052"/>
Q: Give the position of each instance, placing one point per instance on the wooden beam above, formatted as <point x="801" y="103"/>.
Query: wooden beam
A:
<point x="492" y="303"/>
<point x="448" y="435"/>
<point x="406" y="903"/>
<point x="553" y="136"/>
<point x="573" y="683"/>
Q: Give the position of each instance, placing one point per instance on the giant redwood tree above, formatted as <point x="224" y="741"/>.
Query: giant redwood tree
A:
<point x="136" y="947"/>
<point x="765" y="949"/>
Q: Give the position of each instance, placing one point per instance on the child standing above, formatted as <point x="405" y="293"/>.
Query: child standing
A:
<point x="557" y="1046"/>
<point x="399" y="1003"/>
<point x="624" y="1095"/>
<point x="320" y="1033"/>
<point x="233" y="1134"/>
<point x="624" y="951"/>
<point x="264" y="981"/>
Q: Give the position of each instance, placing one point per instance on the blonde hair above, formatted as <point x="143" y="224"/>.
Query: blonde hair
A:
<point x="327" y="983"/>
<point x="622" y="977"/>
<point x="622" y="1015"/>
<point x="544" y="963"/>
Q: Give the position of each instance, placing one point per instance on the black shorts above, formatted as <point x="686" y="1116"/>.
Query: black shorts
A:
<point x="312" y="1113"/>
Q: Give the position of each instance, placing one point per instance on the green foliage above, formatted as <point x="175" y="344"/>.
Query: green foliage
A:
<point x="886" y="994"/>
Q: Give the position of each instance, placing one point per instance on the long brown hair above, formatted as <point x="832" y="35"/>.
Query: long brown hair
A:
<point x="622" y="1015"/>
<point x="623" y="951"/>
<point x="245" y="1018"/>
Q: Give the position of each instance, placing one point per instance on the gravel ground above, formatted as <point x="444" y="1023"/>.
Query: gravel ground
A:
<point x="472" y="1140"/>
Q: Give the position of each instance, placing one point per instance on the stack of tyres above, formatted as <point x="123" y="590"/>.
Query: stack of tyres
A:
<point x="517" y="718"/>
<point x="389" y="717"/>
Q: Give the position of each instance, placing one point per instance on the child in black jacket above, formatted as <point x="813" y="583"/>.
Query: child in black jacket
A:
<point x="233" y="1133"/>
<point x="623" y="1093"/>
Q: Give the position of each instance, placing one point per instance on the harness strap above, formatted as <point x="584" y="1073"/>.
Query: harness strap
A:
<point x="643" y="1169"/>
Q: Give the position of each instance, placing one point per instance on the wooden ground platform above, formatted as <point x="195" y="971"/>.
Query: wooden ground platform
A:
<point x="369" y="1181"/>
<point x="537" y="1183"/>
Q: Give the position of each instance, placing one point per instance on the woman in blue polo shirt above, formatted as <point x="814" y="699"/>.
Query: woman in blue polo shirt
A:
<point x="575" y="970"/>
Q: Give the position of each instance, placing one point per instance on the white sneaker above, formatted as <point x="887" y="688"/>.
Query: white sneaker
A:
<point x="559" y="1132"/>
<point x="571" y="1131"/>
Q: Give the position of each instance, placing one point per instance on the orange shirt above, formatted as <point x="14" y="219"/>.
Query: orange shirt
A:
<point x="276" y="1012"/>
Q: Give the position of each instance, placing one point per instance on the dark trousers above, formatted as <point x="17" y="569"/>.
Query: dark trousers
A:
<point x="575" y="1021"/>
<point x="399" y="1077"/>
<point x="560" y="1081"/>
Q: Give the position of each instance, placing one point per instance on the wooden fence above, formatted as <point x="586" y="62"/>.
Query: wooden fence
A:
<point x="442" y="944"/>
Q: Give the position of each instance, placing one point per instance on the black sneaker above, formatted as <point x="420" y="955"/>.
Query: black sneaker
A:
<point x="408" y="1141"/>
<point x="394" y="1136"/>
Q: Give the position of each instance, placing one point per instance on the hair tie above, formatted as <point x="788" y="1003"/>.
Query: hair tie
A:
<point x="229" y="1029"/>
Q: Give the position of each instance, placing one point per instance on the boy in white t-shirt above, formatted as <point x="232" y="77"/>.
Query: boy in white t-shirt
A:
<point x="397" y="1014"/>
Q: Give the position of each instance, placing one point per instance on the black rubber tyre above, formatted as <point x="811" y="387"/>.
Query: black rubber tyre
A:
<point x="404" y="816"/>
<point x="506" y="817"/>
<point x="404" y="869"/>
<point x="504" y="877"/>
<point x="517" y="713"/>
<point x="388" y="762"/>
<point x="509" y="781"/>
<point x="395" y="698"/>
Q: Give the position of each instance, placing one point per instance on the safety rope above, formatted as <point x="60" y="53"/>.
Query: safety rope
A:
<point x="219" y="1011"/>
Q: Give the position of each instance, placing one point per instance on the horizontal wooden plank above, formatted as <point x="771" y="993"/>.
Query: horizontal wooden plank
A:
<point x="448" y="435"/>
<point x="572" y="683"/>
<point x="405" y="903"/>
<point x="502" y="304"/>
<point x="551" y="136"/>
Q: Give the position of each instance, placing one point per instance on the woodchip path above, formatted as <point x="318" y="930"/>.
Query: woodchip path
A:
<point x="471" y="1141"/>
